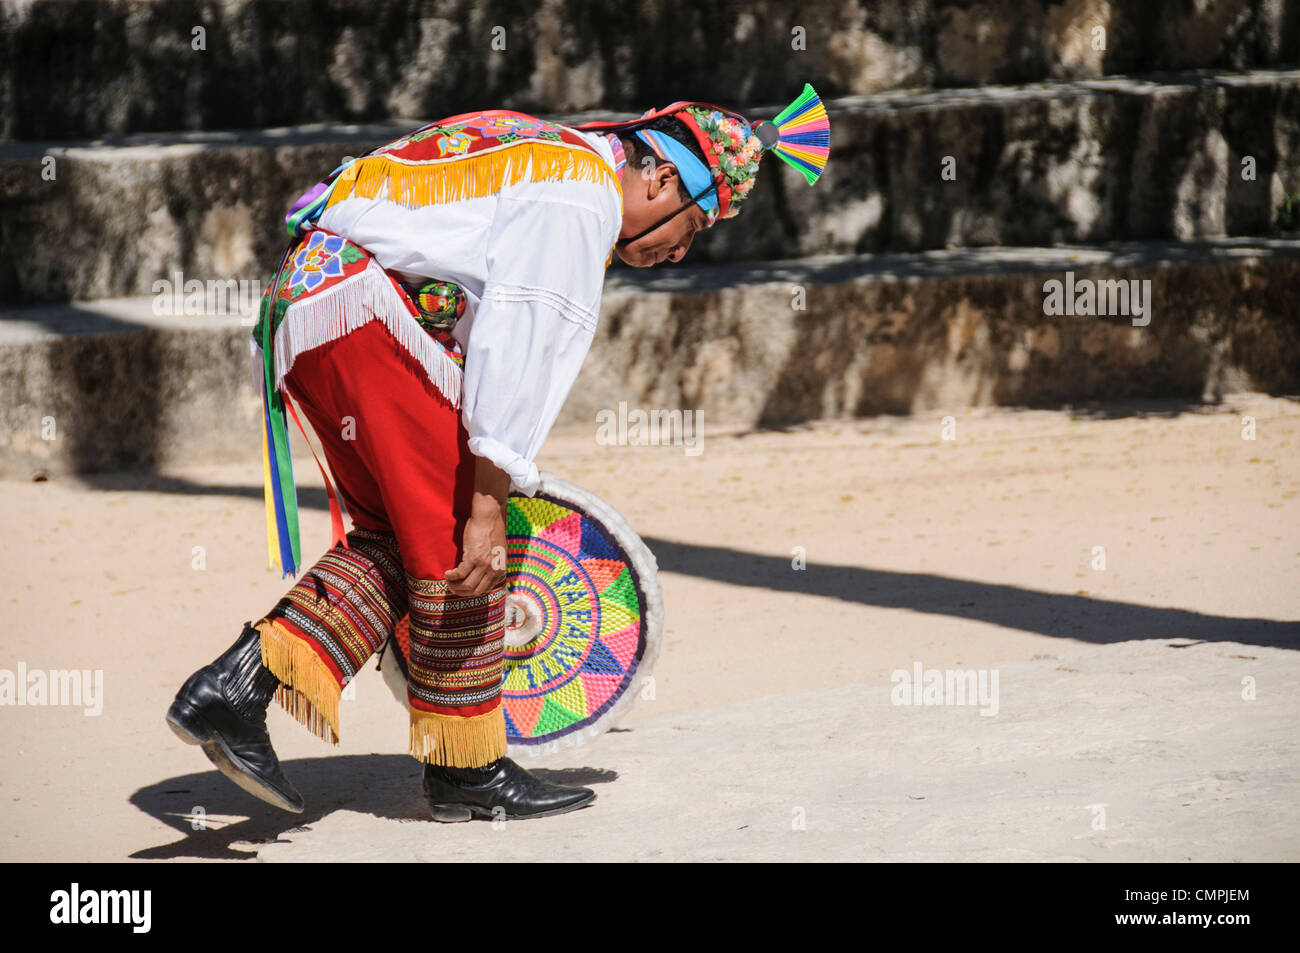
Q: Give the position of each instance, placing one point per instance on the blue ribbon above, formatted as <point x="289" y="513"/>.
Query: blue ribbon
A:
<point x="695" y="174"/>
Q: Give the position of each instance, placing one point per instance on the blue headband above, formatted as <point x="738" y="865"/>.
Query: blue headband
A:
<point x="695" y="174"/>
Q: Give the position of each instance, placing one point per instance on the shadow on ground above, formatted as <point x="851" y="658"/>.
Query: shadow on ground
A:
<point x="386" y="786"/>
<point x="1088" y="619"/>
<point x="309" y="497"/>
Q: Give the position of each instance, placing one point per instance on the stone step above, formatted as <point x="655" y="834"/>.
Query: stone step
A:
<point x="1083" y="162"/>
<point x="73" y="69"/>
<point x="111" y="384"/>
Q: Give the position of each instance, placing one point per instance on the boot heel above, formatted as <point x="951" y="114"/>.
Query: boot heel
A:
<point x="451" y="813"/>
<point x="187" y="724"/>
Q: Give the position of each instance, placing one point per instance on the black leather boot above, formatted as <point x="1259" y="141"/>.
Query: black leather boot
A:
<point x="222" y="708"/>
<point x="501" y="789"/>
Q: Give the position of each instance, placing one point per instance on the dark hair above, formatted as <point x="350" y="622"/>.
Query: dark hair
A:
<point x="637" y="150"/>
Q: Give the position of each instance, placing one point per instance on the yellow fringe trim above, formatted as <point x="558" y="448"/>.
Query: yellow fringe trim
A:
<point x="458" y="742"/>
<point x="308" y="690"/>
<point x="472" y="176"/>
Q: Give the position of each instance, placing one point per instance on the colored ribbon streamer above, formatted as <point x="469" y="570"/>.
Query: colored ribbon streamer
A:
<point x="283" y="540"/>
<point x="278" y="467"/>
<point x="338" y="538"/>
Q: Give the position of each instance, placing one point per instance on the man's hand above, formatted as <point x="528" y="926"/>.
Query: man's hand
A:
<point x="483" y="549"/>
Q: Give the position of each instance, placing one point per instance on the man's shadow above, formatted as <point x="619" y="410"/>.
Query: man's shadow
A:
<point x="386" y="786"/>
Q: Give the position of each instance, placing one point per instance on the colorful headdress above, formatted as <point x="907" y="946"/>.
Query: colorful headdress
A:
<point x="798" y="135"/>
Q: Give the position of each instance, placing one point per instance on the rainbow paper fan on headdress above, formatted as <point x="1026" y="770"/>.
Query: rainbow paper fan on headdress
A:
<point x="800" y="134"/>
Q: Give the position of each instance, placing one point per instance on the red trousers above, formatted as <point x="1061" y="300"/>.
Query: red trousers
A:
<point x="399" y="454"/>
<point x="396" y="447"/>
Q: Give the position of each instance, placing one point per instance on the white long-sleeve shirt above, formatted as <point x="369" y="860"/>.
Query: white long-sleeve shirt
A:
<point x="531" y="260"/>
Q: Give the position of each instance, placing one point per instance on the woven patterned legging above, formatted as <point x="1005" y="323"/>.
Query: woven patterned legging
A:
<point x="347" y="605"/>
<point x="400" y="457"/>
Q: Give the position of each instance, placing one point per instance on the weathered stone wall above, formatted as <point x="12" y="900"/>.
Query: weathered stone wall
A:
<point x="125" y="396"/>
<point x="84" y="68"/>
<point x="900" y="334"/>
<point x="880" y="334"/>
<point x="925" y="307"/>
<point x="1093" y="161"/>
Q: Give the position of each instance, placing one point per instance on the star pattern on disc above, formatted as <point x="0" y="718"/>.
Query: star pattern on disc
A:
<point x="584" y="591"/>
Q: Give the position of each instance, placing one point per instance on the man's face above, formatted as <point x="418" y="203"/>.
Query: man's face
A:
<point x="648" y="197"/>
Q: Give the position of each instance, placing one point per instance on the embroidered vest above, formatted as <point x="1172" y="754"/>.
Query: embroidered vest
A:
<point x="467" y="156"/>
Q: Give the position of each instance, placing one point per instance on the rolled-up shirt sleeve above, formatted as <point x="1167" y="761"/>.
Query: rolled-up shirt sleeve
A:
<point x="532" y="329"/>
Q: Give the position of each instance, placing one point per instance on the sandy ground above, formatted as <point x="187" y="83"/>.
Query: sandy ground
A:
<point x="1124" y="686"/>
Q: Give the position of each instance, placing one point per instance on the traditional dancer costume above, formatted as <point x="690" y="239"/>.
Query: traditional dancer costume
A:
<point x="435" y="305"/>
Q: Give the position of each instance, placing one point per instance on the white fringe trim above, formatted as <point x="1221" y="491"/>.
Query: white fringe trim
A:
<point x="369" y="296"/>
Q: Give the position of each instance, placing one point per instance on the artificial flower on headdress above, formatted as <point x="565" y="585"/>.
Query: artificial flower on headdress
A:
<point x="736" y="149"/>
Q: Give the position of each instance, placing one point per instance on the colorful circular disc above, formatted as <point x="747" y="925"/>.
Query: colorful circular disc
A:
<point x="584" y="616"/>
